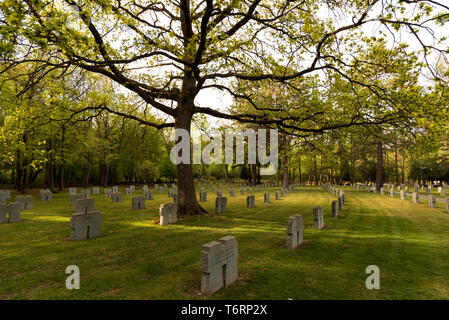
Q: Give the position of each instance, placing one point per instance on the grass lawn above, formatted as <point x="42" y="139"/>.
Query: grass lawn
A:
<point x="138" y="259"/>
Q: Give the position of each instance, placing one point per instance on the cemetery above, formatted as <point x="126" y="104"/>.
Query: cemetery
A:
<point x="303" y="231"/>
<point x="224" y="150"/>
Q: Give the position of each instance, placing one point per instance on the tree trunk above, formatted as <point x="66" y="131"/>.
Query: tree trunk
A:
<point x="403" y="169"/>
<point x="86" y="171"/>
<point x="397" y="166"/>
<point x="352" y="165"/>
<point x="187" y="201"/>
<point x="285" y="150"/>
<point x="254" y="174"/>
<point x="18" y="171"/>
<point x="61" y="166"/>
<point x="380" y="166"/>
<point x="285" y="171"/>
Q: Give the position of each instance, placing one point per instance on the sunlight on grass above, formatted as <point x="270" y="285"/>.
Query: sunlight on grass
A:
<point x="138" y="259"/>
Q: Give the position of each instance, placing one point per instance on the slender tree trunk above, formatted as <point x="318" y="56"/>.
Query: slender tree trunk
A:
<point x="86" y="171"/>
<point x="285" y="171"/>
<point x="299" y="168"/>
<point x="380" y="166"/>
<point x="226" y="172"/>
<point x="24" y="178"/>
<point x="18" y="171"/>
<point x="61" y="165"/>
<point x="254" y="174"/>
<point x="352" y="165"/>
<point x="403" y="169"/>
<point x="285" y="150"/>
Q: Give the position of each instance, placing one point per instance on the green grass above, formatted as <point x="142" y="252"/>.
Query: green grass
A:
<point x="138" y="259"/>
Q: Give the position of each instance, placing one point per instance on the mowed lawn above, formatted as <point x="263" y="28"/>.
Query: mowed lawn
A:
<point x="138" y="259"/>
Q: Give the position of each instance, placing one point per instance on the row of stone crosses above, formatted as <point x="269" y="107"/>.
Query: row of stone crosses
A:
<point x="415" y="196"/>
<point x="12" y="212"/>
<point x="218" y="259"/>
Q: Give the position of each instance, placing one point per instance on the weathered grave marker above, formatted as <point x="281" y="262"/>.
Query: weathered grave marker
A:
<point x="46" y="195"/>
<point x="218" y="264"/>
<point x="85" y="225"/>
<point x="431" y="201"/>
<point x="116" y="197"/>
<point x="334" y="209"/>
<point x="295" y="228"/>
<point x="250" y="201"/>
<point x="415" y="197"/>
<point x="138" y="203"/>
<point x="167" y="214"/>
<point x="108" y="192"/>
<point x="318" y="221"/>
<point x="21" y="200"/>
<point x="85" y="193"/>
<point x="149" y="194"/>
<point x="340" y="203"/>
<point x="29" y="201"/>
<point x="74" y="198"/>
<point x="221" y="204"/>
<point x="85" y="205"/>
<point x="203" y="196"/>
<point x="15" y="209"/>
<point x="4" y="210"/>
<point x="266" y="197"/>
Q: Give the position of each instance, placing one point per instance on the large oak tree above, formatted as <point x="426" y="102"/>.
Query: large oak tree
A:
<point x="168" y="51"/>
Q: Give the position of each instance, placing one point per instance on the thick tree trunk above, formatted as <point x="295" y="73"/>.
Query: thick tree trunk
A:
<point x="187" y="201"/>
<point x="380" y="166"/>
